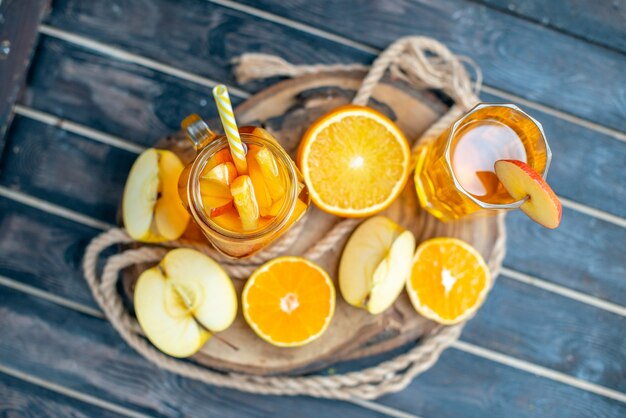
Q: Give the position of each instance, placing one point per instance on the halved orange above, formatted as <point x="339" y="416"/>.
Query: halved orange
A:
<point x="289" y="301"/>
<point x="449" y="280"/>
<point x="354" y="160"/>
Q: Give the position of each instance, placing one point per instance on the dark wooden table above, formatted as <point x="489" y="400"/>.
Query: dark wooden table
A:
<point x="108" y="77"/>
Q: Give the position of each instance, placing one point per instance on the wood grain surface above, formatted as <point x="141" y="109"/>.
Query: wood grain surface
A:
<point x="601" y="22"/>
<point x="65" y="168"/>
<point x="113" y="96"/>
<point x="22" y="399"/>
<point x="18" y="33"/>
<point x="86" y="354"/>
<point x="104" y="366"/>
<point x="516" y="56"/>
<point x="137" y="104"/>
<point x="517" y="319"/>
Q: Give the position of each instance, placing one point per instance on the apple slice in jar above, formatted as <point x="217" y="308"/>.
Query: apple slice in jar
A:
<point x="245" y="202"/>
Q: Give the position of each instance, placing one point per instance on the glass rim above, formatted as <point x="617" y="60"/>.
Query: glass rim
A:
<point x="193" y="187"/>
<point x="457" y="184"/>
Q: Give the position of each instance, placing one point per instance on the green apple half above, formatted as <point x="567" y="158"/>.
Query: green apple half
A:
<point x="375" y="264"/>
<point x="184" y="300"/>
<point x="151" y="207"/>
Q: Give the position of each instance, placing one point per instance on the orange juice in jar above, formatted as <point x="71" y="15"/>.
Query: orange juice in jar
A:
<point x="241" y="211"/>
<point x="455" y="175"/>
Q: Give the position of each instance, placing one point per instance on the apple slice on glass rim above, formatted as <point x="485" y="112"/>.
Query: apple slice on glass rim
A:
<point x="522" y="182"/>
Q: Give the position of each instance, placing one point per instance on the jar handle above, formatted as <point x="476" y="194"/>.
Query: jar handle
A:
<point x="198" y="132"/>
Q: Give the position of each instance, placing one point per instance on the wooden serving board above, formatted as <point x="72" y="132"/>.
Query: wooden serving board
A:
<point x="286" y="110"/>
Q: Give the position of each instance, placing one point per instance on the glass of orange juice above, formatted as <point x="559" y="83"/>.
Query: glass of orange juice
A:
<point x="241" y="213"/>
<point x="454" y="174"/>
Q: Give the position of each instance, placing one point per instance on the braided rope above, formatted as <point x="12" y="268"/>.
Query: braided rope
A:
<point x="419" y="61"/>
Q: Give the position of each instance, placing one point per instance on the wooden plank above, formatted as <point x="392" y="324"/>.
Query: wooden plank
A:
<point x="602" y="22"/>
<point x="515" y="55"/>
<point x="85" y="87"/>
<point x="86" y="354"/>
<point x="113" y="96"/>
<point x="464" y="385"/>
<point x="39" y="338"/>
<point x="18" y="32"/>
<point x="57" y="244"/>
<point x="196" y="36"/>
<point x="584" y="253"/>
<point x="553" y="331"/>
<point x="517" y="319"/>
<point x="64" y="168"/>
<point x="19" y="397"/>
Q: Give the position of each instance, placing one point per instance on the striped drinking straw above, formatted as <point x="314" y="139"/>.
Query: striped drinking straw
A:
<point x="225" y="109"/>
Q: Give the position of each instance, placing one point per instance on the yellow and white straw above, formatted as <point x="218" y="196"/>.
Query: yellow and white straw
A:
<point x="225" y="109"/>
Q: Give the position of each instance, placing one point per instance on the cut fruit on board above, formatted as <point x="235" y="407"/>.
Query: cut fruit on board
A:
<point x="183" y="300"/>
<point x="449" y="280"/>
<point x="521" y="181"/>
<point x="151" y="207"/>
<point x="289" y="301"/>
<point x="355" y="161"/>
<point x="375" y="264"/>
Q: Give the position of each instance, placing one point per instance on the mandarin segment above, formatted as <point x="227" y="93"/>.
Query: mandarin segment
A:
<point x="289" y="301"/>
<point x="449" y="280"/>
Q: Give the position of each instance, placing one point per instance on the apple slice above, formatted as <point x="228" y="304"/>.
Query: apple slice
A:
<point x="184" y="300"/>
<point x="375" y="264"/>
<point x="245" y="202"/>
<point x="261" y="192"/>
<point x="151" y="207"/>
<point x="215" y="194"/>
<point x="170" y="216"/>
<point x="520" y="181"/>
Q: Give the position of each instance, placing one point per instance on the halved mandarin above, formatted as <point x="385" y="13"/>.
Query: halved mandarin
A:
<point x="242" y="191"/>
<point x="355" y="161"/>
<point x="449" y="280"/>
<point x="289" y="301"/>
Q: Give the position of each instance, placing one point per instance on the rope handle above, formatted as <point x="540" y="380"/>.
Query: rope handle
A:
<point x="417" y="60"/>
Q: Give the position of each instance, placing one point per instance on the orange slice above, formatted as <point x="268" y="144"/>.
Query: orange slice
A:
<point x="289" y="301"/>
<point x="355" y="161"/>
<point x="449" y="280"/>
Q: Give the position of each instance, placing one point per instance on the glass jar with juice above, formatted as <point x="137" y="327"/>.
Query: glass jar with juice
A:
<point x="241" y="211"/>
<point x="454" y="173"/>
